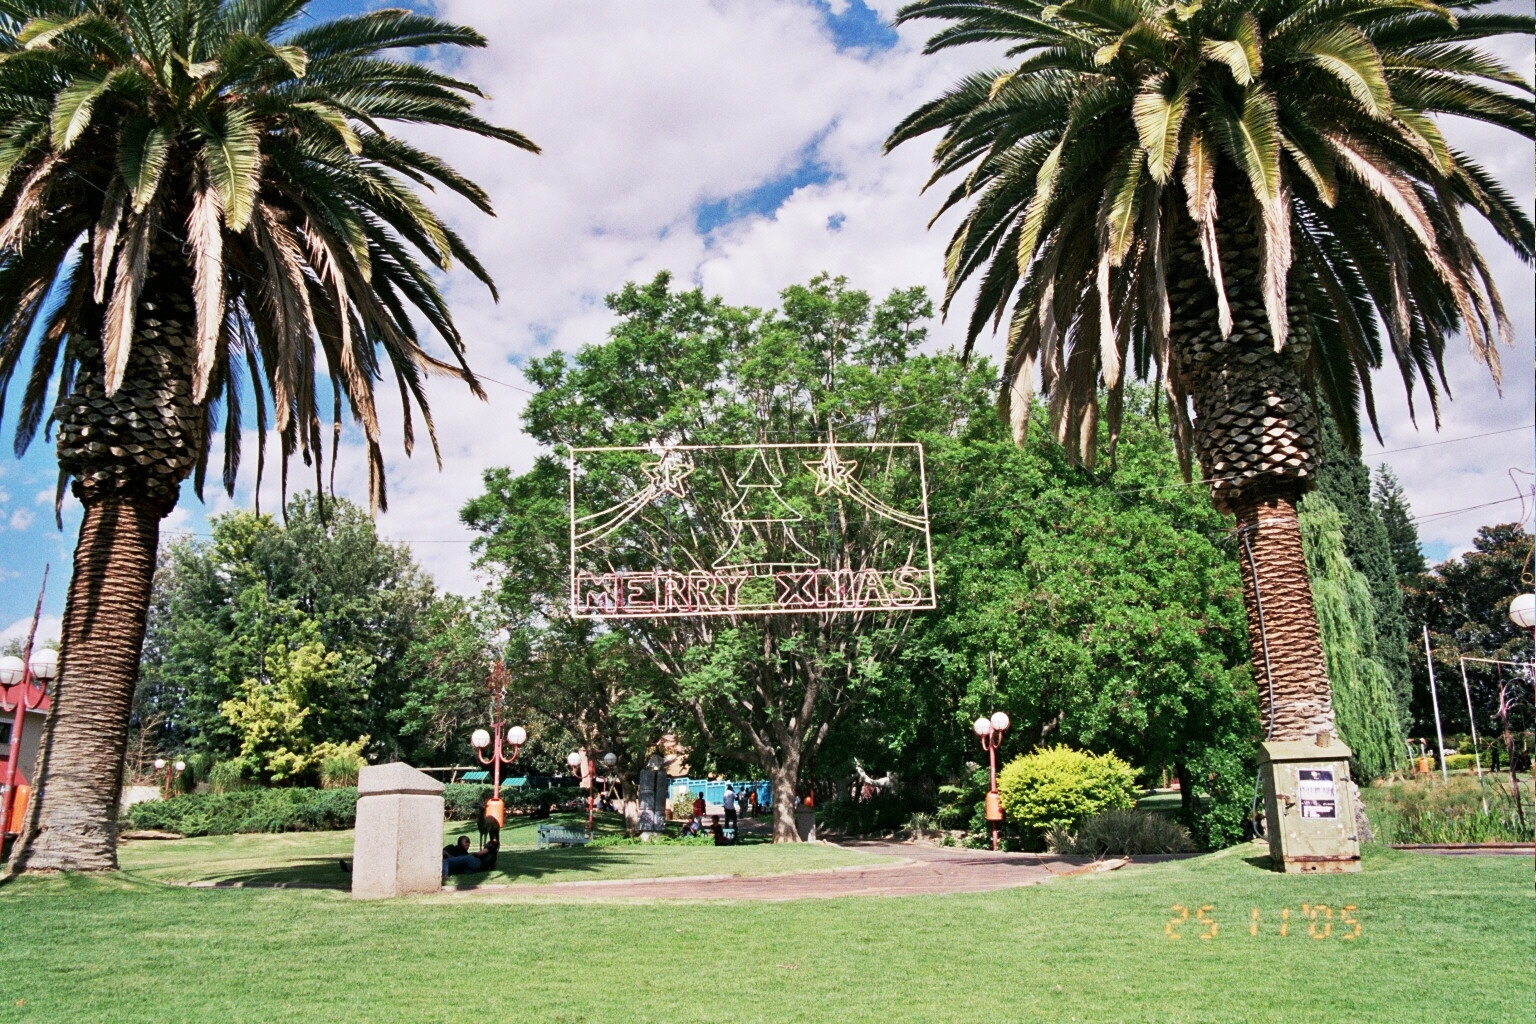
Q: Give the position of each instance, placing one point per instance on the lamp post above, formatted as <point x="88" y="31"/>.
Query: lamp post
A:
<point x="516" y="736"/>
<point x="573" y="759"/>
<point x="990" y="731"/>
<point x="171" y="771"/>
<point x="20" y="694"/>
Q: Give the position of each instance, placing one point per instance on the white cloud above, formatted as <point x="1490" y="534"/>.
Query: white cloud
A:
<point x="48" y="629"/>
<point x="21" y="519"/>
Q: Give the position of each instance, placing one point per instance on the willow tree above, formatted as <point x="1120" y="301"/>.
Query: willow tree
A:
<point x="211" y="191"/>
<point x="1241" y="199"/>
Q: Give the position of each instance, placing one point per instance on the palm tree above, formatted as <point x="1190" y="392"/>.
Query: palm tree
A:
<point x="1238" y="197"/>
<point x="197" y="198"/>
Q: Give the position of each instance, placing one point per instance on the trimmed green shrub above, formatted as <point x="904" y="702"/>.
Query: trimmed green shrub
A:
<point x="1461" y="762"/>
<point x="1122" y="832"/>
<point x="1057" y="787"/>
<point x="465" y="801"/>
<point x="248" y="810"/>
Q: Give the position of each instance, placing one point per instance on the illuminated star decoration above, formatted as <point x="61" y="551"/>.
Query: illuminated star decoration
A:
<point x="832" y="473"/>
<point x="668" y="473"/>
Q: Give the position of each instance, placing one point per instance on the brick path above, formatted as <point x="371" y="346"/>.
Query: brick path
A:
<point x="915" y="870"/>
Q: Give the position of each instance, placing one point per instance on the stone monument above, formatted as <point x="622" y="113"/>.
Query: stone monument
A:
<point x="397" y="847"/>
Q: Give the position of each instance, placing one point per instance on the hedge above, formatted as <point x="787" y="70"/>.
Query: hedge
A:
<point x="314" y="810"/>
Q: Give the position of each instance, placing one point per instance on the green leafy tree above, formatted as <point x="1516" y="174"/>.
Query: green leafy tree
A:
<point x="680" y="368"/>
<point x="320" y="576"/>
<point x="1402" y="535"/>
<point x="1344" y="481"/>
<point x="200" y="203"/>
<point x="1100" y="609"/>
<point x="1242" y="196"/>
<point x="1363" y="697"/>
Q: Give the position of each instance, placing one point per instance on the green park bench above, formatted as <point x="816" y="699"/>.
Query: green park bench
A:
<point x="552" y="834"/>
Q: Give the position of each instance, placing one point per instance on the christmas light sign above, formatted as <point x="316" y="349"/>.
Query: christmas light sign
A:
<point x="693" y="530"/>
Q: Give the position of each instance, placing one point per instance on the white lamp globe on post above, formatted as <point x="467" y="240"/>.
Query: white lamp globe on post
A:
<point x="159" y="764"/>
<point x="610" y="759"/>
<point x="983" y="728"/>
<point x="1522" y="611"/>
<point x="991" y="730"/>
<point x="1000" y="721"/>
<point x="45" y="664"/>
<point x="573" y="759"/>
<point x="517" y="736"/>
<point x="480" y="739"/>
<point x="12" y="669"/>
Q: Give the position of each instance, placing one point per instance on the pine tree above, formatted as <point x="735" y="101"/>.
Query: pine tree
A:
<point x="1363" y="698"/>
<point x="1346" y="482"/>
<point x="1402" y="535"/>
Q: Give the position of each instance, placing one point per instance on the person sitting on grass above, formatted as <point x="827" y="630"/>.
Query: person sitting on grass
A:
<point x="457" y="860"/>
<point x="721" y="839"/>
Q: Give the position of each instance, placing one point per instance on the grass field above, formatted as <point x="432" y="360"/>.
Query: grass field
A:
<point x="311" y="857"/>
<point x="1440" y="939"/>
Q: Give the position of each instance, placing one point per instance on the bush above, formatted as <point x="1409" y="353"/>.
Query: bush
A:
<point x="1461" y="762"/>
<point x="228" y="776"/>
<point x="465" y="801"/>
<point x="249" y="810"/>
<point x="682" y="805"/>
<point x="340" y="763"/>
<point x="882" y="813"/>
<point x="1057" y="787"/>
<point x="1122" y="832"/>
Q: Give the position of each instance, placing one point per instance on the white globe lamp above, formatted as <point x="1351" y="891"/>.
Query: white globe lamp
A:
<point x="517" y="735"/>
<point x="1000" y="721"/>
<point x="12" y="669"/>
<point x="573" y="759"/>
<point x="983" y="727"/>
<point x="45" y="664"/>
<point x="480" y="739"/>
<point x="1522" y="611"/>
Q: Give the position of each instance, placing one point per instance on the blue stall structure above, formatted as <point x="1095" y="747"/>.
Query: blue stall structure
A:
<point x="714" y="791"/>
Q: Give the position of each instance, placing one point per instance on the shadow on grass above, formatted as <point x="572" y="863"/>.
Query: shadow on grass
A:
<point x="322" y="872"/>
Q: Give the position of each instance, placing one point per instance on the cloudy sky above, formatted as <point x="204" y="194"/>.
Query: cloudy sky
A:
<point x="737" y="144"/>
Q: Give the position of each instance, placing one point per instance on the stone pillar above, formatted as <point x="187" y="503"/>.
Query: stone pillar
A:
<point x="397" y="847"/>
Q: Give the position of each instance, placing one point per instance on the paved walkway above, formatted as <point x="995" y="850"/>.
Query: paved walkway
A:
<point x="914" y="870"/>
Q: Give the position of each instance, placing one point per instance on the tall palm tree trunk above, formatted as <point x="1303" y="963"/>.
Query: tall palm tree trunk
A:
<point x="128" y="453"/>
<point x="72" y="824"/>
<point x="1256" y="435"/>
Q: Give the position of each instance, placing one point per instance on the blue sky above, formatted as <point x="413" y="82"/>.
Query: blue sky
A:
<point x="736" y="143"/>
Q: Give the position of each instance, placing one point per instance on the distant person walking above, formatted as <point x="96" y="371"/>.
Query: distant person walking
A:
<point x="698" y="809"/>
<point x="729" y="803"/>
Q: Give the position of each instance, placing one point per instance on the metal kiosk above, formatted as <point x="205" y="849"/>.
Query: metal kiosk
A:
<point x="1309" y="805"/>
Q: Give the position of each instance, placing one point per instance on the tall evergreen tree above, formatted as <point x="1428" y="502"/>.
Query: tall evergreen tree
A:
<point x="1397" y="517"/>
<point x="1345" y="481"/>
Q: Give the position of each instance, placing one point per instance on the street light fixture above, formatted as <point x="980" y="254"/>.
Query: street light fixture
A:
<point x="171" y="771"/>
<point x="480" y="739"/>
<point x="990" y="731"/>
<point x="1522" y="611"/>
<point x="23" y="688"/>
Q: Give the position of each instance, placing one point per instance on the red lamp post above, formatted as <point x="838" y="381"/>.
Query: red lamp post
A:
<point x="18" y="695"/>
<point x="171" y="771"/>
<point x="990" y="732"/>
<point x="573" y="759"/>
<point x="516" y="737"/>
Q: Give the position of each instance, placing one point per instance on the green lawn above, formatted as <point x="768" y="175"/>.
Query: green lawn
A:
<point x="1442" y="939"/>
<point x="311" y="857"/>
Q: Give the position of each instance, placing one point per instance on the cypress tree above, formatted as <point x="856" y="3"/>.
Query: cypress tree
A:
<point x="1365" y="706"/>
<point x="1346" y="482"/>
<point x="1397" y="517"/>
